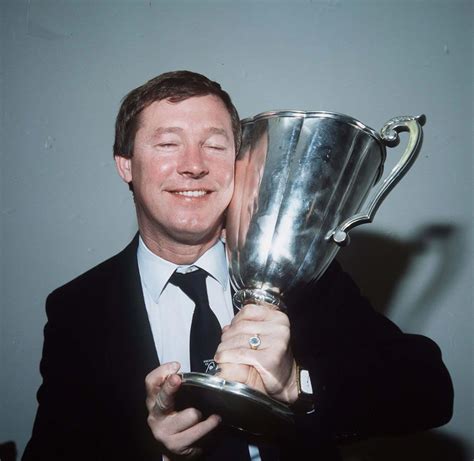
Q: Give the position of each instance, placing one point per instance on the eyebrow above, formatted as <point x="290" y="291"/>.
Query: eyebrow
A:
<point x="221" y="131"/>
<point x="168" y="129"/>
<point x="177" y="129"/>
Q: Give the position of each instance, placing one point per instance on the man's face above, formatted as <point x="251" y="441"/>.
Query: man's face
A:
<point x="182" y="169"/>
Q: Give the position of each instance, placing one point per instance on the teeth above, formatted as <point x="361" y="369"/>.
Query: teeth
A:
<point x="192" y="193"/>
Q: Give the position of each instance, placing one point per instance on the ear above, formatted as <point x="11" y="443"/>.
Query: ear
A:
<point x="124" y="168"/>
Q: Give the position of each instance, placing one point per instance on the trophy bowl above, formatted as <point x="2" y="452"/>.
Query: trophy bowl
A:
<point x="302" y="181"/>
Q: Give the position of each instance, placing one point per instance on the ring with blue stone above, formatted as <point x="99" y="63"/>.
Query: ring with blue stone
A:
<point x="254" y="342"/>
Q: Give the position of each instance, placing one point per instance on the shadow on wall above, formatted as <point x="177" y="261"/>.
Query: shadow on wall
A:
<point x="426" y="446"/>
<point x="379" y="263"/>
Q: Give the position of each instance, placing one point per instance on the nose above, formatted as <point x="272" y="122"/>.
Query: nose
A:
<point x="192" y="163"/>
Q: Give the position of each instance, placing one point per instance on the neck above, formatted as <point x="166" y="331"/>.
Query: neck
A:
<point x="180" y="253"/>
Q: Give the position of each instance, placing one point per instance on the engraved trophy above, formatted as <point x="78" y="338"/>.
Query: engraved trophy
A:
<point x="302" y="182"/>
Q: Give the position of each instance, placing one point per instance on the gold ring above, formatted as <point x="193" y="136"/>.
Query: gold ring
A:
<point x="254" y="342"/>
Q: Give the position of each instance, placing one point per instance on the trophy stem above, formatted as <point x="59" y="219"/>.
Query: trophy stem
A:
<point x="258" y="296"/>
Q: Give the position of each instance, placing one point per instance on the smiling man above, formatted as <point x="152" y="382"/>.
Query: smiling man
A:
<point x="182" y="171"/>
<point x="117" y="335"/>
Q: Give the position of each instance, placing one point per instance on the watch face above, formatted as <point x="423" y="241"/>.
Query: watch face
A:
<point x="305" y="402"/>
<point x="305" y="382"/>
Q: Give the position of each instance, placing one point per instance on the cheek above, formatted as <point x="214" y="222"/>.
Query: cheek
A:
<point x="226" y="174"/>
<point x="227" y="187"/>
<point x="155" y="173"/>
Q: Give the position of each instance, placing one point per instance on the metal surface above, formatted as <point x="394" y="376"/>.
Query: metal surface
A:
<point x="302" y="179"/>
<point x="390" y="136"/>
<point x="238" y="405"/>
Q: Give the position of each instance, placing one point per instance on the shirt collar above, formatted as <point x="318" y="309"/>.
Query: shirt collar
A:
<point x="155" y="271"/>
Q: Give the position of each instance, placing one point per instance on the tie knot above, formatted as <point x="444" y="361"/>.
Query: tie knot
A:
<point x="193" y="284"/>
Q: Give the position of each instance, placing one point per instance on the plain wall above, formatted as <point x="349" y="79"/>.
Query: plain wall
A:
<point x="65" y="65"/>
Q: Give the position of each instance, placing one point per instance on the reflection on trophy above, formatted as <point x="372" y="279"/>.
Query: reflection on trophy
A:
<point x="302" y="182"/>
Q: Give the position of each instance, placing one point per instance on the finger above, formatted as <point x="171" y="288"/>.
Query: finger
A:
<point x="244" y="330"/>
<point x="238" y="356"/>
<point x="164" y="400"/>
<point x="251" y="312"/>
<point x="156" y="378"/>
<point x="241" y="341"/>
<point x="242" y="374"/>
<point x="179" y="431"/>
<point x="259" y="312"/>
<point x="249" y="327"/>
<point x="184" y="420"/>
<point x="276" y="337"/>
<point x="233" y="372"/>
<point x="273" y="371"/>
<point x="265" y="358"/>
<point x="172" y="424"/>
<point x="181" y="442"/>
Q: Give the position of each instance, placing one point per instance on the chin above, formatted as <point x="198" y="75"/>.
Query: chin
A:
<point x="197" y="235"/>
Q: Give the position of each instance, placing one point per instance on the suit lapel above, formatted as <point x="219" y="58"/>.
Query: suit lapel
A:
<point x="131" y="345"/>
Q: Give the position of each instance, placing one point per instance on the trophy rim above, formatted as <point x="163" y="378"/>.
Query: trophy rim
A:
<point x="236" y="388"/>
<point x="291" y="113"/>
<point x="250" y="410"/>
<point x="314" y="114"/>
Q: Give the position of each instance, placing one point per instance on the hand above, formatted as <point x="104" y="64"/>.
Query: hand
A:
<point x="176" y="430"/>
<point x="271" y="368"/>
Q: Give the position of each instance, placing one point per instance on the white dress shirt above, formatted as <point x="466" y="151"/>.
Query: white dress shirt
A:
<point x="170" y="311"/>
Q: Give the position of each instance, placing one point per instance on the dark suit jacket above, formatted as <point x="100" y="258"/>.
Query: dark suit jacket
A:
<point x="369" y="378"/>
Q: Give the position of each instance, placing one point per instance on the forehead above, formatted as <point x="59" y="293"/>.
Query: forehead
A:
<point x="192" y="113"/>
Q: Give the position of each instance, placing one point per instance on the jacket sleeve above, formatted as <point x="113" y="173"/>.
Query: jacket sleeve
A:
<point x="66" y="424"/>
<point x="369" y="378"/>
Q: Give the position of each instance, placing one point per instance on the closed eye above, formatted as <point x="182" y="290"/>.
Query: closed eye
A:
<point x="167" y="145"/>
<point x="215" y="147"/>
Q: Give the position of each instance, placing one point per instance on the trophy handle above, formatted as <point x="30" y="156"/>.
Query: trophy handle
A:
<point x="389" y="134"/>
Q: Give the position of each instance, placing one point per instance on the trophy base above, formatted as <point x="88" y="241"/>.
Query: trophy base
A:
<point x="238" y="405"/>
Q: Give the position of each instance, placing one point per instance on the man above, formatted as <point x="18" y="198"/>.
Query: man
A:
<point x="117" y="335"/>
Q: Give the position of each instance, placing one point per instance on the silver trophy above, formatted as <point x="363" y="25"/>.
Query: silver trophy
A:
<point x="302" y="181"/>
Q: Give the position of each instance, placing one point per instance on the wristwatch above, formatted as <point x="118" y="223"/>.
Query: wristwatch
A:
<point x="305" y="401"/>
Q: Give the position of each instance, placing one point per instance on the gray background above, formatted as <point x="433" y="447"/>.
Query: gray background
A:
<point x="65" y="65"/>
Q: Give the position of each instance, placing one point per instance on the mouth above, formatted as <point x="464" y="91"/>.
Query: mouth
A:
<point x="191" y="193"/>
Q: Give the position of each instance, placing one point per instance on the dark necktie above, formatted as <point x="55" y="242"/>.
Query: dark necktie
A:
<point x="205" y="328"/>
